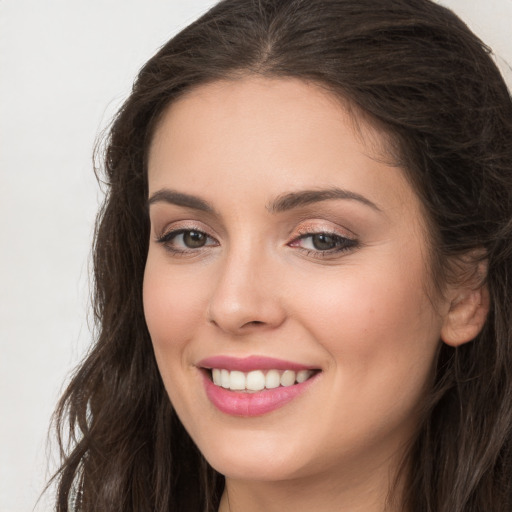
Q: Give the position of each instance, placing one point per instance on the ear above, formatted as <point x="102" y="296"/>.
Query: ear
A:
<point x="468" y="309"/>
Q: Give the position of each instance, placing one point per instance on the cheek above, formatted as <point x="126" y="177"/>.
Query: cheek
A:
<point x="378" y="326"/>
<point x="173" y="305"/>
<point x="173" y="308"/>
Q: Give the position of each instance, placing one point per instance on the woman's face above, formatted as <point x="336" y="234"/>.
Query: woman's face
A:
<point x="285" y="246"/>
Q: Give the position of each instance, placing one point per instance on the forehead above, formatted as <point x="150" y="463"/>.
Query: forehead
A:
<point x="265" y="99"/>
<point x="285" y="132"/>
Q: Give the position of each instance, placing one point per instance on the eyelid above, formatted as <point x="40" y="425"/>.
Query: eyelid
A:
<point x="173" y="233"/>
<point x="312" y="227"/>
<point x="184" y="225"/>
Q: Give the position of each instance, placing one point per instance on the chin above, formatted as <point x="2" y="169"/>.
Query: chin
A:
<point x="262" y="470"/>
<point x="259" y="459"/>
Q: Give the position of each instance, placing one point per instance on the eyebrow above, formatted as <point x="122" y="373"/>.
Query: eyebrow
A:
<point x="306" y="197"/>
<point x="180" y="199"/>
<point x="282" y="203"/>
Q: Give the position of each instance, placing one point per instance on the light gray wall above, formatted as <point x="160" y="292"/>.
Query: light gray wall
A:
<point x="64" y="68"/>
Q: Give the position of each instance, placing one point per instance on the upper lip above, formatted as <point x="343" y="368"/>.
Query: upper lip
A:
<point x="247" y="364"/>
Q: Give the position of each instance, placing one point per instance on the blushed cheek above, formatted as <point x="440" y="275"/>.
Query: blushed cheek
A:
<point x="168" y="308"/>
<point x="382" y="343"/>
<point x="364" y="319"/>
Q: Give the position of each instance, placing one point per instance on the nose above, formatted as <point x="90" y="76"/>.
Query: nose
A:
<point x="247" y="294"/>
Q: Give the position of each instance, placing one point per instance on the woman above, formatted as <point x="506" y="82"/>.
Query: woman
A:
<point x="302" y="271"/>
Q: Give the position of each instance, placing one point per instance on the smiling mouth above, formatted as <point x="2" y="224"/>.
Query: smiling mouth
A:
<point x="257" y="380"/>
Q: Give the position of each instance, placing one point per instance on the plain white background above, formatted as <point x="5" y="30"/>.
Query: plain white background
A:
<point x="65" y="68"/>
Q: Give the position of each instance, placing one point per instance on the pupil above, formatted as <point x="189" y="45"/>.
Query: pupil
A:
<point x="323" y="242"/>
<point x="194" y="239"/>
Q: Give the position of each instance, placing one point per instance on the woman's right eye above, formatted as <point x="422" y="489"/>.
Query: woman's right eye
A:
<point x="186" y="240"/>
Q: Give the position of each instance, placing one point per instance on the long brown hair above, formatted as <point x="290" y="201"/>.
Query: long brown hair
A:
<point x="414" y="67"/>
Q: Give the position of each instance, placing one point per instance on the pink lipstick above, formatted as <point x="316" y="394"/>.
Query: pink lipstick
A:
<point x="248" y="364"/>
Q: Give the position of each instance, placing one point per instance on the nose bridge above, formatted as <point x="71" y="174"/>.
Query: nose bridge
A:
<point x="245" y="295"/>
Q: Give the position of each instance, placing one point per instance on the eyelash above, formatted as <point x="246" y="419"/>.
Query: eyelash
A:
<point x="342" y="244"/>
<point x="167" y="238"/>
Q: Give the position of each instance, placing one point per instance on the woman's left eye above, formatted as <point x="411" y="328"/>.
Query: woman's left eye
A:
<point x="325" y="243"/>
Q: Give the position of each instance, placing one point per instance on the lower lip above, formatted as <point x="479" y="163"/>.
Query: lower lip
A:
<point x="257" y="403"/>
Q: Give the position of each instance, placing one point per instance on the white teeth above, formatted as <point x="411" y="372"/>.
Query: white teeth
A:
<point x="257" y="380"/>
<point x="288" y="378"/>
<point x="216" y="376"/>
<point x="272" y="379"/>
<point x="225" y="379"/>
<point x="303" y="375"/>
<point x="237" y="381"/>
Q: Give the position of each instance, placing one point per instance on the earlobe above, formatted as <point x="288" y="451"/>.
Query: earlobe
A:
<point x="466" y="316"/>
